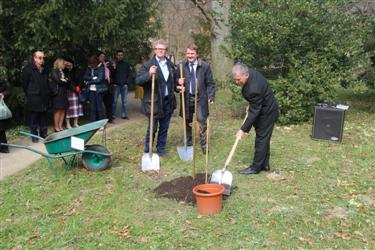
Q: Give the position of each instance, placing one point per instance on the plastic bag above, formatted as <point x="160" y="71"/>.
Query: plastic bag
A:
<point x="5" y="112"/>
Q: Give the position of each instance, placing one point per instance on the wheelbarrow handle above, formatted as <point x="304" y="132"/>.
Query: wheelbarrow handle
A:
<point x="32" y="135"/>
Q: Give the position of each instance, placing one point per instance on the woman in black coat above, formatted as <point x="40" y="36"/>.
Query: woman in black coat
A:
<point x="4" y="124"/>
<point x="60" y="101"/>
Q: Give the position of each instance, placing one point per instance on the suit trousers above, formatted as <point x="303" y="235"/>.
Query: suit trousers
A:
<point x="202" y="121"/>
<point x="263" y="130"/>
<point x="38" y="120"/>
<point x="161" y="125"/>
<point x="3" y="139"/>
<point x="96" y="106"/>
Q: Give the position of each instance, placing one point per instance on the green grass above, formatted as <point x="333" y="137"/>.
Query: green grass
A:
<point x="318" y="195"/>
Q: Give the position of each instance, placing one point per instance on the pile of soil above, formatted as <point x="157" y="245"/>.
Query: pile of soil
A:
<point x="180" y="189"/>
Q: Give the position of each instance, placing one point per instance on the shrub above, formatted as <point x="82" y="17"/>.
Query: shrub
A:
<point x="305" y="48"/>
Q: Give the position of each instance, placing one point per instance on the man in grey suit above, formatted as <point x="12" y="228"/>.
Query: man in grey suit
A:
<point x="165" y="101"/>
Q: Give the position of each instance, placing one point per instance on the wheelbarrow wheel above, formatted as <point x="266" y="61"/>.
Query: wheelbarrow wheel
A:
<point x="96" y="162"/>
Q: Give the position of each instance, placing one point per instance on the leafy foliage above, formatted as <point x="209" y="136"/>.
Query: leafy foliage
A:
<point x="306" y="48"/>
<point x="71" y="29"/>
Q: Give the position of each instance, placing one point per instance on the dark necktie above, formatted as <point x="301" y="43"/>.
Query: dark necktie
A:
<point x="192" y="81"/>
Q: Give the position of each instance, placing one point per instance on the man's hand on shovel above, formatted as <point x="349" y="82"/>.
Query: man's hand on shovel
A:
<point x="180" y="86"/>
<point x="240" y="134"/>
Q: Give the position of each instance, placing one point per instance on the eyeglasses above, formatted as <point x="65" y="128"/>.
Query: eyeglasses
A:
<point x="162" y="49"/>
<point x="39" y="57"/>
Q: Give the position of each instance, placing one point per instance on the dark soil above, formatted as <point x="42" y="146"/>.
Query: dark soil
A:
<point x="180" y="189"/>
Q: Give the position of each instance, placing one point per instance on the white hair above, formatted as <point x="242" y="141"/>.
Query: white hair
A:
<point x="240" y="68"/>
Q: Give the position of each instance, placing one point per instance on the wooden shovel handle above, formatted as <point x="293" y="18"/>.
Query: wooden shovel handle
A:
<point x="231" y="153"/>
<point x="183" y="108"/>
<point x="151" y="115"/>
<point x="181" y="71"/>
<point x="207" y="142"/>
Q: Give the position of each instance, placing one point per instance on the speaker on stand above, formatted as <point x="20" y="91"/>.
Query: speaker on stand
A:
<point x="328" y="123"/>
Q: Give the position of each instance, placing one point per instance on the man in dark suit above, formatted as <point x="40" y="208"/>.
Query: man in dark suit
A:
<point x="164" y="100"/>
<point x="38" y="91"/>
<point x="262" y="114"/>
<point x="195" y="70"/>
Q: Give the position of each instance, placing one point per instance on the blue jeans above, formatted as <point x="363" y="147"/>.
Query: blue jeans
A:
<point x="162" y="125"/>
<point x="123" y="91"/>
<point x="96" y="106"/>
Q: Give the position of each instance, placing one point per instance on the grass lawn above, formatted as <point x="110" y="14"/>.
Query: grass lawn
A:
<point x="318" y="195"/>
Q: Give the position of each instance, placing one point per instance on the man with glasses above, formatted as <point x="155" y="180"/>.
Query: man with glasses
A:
<point x="164" y="100"/>
<point x="38" y="92"/>
<point x="196" y="71"/>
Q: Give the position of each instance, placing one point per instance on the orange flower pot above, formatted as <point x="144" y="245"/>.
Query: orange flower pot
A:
<point x="209" y="198"/>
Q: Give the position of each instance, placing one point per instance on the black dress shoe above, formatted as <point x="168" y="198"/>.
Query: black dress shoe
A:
<point x="248" y="171"/>
<point x="35" y="140"/>
<point x="162" y="153"/>
<point x="266" y="168"/>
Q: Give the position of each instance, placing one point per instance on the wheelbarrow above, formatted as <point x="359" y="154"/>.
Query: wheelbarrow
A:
<point x="59" y="146"/>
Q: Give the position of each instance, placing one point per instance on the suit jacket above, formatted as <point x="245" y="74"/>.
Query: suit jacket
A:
<point x="144" y="79"/>
<point x="37" y="88"/>
<point x="262" y="101"/>
<point x="206" y="86"/>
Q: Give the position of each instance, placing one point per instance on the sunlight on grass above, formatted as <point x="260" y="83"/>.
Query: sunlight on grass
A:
<point x="318" y="194"/>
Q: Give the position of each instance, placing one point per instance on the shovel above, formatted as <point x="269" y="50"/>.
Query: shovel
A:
<point x="207" y="143"/>
<point x="185" y="153"/>
<point x="150" y="161"/>
<point x="195" y="125"/>
<point x="222" y="176"/>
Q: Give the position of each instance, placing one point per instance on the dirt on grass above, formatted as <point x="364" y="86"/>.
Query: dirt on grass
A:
<point x="180" y="189"/>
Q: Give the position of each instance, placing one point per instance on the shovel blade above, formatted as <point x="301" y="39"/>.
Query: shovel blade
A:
<point x="150" y="163"/>
<point x="186" y="153"/>
<point x="224" y="178"/>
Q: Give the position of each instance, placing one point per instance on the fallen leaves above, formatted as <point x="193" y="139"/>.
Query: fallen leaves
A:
<point x="124" y="232"/>
<point x="341" y="235"/>
<point x="76" y="204"/>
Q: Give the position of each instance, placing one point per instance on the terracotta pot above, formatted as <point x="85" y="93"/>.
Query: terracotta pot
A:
<point x="209" y="198"/>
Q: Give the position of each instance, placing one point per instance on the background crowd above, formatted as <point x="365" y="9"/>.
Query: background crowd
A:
<point x="70" y="95"/>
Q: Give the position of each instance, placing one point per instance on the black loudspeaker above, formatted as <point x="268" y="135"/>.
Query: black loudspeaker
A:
<point x="328" y="123"/>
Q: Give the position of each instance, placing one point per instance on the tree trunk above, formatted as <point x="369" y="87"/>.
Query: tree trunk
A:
<point x="221" y="64"/>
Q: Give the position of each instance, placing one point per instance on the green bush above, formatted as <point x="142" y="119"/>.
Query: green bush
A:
<point x="305" y="48"/>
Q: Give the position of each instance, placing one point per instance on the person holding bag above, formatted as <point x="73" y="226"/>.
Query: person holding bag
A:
<point x="4" y="123"/>
<point x="95" y="79"/>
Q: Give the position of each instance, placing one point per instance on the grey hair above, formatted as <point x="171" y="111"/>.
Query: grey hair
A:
<point x="160" y="41"/>
<point x="240" y="68"/>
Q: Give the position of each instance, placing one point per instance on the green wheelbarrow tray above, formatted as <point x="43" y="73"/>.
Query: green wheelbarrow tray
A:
<point x="60" y="142"/>
<point x="58" y="145"/>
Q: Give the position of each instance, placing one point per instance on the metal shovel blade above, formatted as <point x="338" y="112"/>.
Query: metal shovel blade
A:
<point x="150" y="163"/>
<point x="224" y="178"/>
<point x="186" y="153"/>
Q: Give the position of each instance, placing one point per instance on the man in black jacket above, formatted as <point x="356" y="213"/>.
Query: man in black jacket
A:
<point x="262" y="113"/>
<point x="164" y="100"/>
<point x="121" y="75"/>
<point x="38" y="92"/>
<point x="194" y="71"/>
